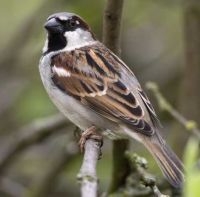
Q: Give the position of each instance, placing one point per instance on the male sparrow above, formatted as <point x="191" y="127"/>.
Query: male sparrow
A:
<point x="93" y="87"/>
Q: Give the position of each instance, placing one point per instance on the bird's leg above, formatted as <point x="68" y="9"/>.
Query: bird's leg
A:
<point x="90" y="133"/>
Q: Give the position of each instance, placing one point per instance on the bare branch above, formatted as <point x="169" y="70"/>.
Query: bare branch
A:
<point x="112" y="24"/>
<point x="31" y="134"/>
<point x="140" y="165"/>
<point x="189" y="125"/>
<point x="44" y="185"/>
<point x="87" y="175"/>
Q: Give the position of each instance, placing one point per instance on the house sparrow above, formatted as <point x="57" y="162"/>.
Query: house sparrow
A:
<point x="94" y="88"/>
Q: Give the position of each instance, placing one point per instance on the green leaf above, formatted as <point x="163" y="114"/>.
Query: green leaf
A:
<point x="191" y="188"/>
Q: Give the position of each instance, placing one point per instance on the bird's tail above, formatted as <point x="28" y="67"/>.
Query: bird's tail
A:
<point x="167" y="160"/>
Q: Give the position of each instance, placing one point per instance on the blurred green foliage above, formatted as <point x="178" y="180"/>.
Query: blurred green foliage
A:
<point x="152" y="45"/>
<point x="192" y="166"/>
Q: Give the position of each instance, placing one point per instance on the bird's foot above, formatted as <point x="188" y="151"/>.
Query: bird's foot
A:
<point x="90" y="133"/>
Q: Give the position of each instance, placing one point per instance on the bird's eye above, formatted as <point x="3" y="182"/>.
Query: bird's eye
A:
<point x="72" y="23"/>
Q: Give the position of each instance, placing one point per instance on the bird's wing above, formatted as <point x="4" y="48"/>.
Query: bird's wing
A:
<point x="102" y="82"/>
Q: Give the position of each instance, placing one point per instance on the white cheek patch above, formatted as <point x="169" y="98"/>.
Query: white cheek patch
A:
<point x="61" y="72"/>
<point x="78" y="38"/>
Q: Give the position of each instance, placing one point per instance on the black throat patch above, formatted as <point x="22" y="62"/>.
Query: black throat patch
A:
<point x="55" y="42"/>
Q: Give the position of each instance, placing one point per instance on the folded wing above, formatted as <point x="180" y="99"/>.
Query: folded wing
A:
<point x="97" y="78"/>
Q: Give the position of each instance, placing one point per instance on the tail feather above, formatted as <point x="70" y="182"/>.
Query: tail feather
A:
<point x="169" y="163"/>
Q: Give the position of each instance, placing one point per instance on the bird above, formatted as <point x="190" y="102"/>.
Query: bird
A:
<point x="98" y="92"/>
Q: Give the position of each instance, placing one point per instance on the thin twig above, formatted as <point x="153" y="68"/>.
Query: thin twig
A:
<point x="87" y="175"/>
<point x="140" y="165"/>
<point x="31" y="134"/>
<point x="45" y="184"/>
<point x="164" y="105"/>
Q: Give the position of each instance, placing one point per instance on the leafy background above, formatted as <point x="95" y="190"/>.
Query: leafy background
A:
<point x="153" y="44"/>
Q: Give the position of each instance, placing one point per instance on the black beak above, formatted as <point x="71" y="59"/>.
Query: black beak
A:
<point x="53" y="26"/>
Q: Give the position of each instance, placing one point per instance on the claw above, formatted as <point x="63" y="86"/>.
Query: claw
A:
<point x="90" y="133"/>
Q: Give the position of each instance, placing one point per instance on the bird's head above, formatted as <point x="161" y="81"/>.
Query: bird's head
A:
<point x="66" y="31"/>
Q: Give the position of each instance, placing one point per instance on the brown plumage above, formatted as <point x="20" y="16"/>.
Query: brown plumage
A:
<point x="101" y="90"/>
<point x="101" y="86"/>
<point x="98" y="85"/>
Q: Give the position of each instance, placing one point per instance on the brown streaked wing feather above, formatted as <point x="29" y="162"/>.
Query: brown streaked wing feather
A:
<point x="95" y="79"/>
<point x="81" y="82"/>
<point x="118" y="111"/>
<point x="150" y="108"/>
